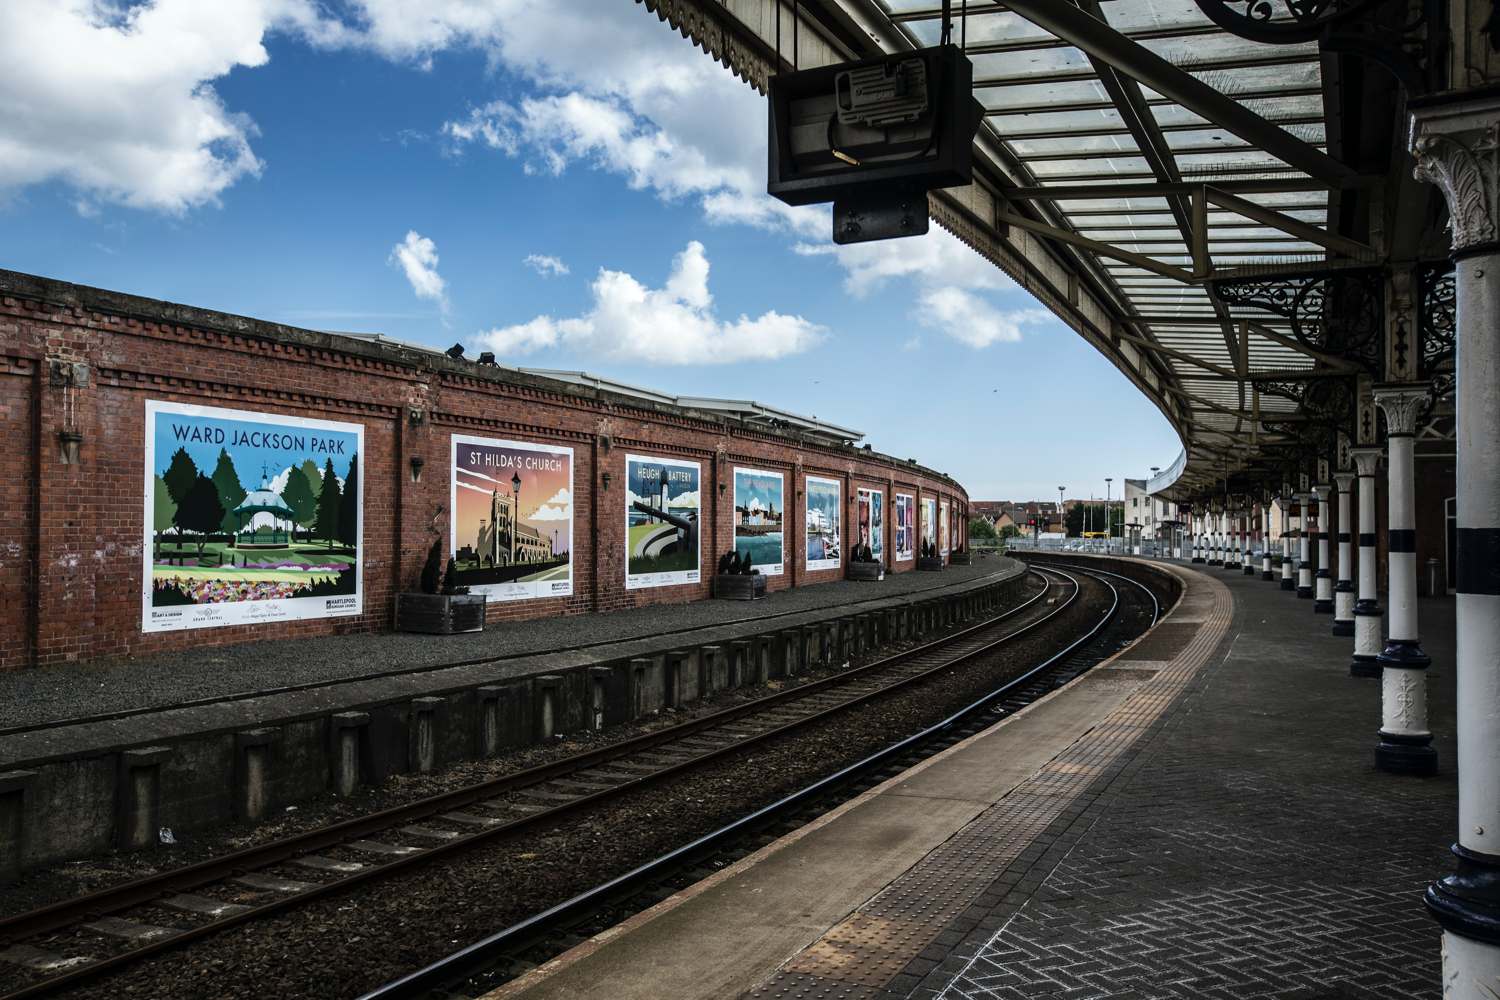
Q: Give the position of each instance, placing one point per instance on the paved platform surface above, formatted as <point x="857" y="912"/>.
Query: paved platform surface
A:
<point x="71" y="690"/>
<point x="1199" y="818"/>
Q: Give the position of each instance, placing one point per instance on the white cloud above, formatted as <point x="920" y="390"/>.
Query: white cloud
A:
<point x="546" y="265"/>
<point x="675" y="324"/>
<point x="117" y="100"/>
<point x="973" y="320"/>
<point x="418" y="258"/>
<point x="558" y="508"/>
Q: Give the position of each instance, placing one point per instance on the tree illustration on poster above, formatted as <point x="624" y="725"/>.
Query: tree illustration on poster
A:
<point x="661" y="522"/>
<point x="904" y="510"/>
<point x="929" y="522"/>
<point x="759" y="517"/>
<point x="511" y="532"/>
<point x="943" y="528"/>
<point x="872" y="522"/>
<point x="224" y="547"/>
<point x="824" y="523"/>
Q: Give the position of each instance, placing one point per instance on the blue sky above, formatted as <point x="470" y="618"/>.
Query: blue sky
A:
<point x="566" y="182"/>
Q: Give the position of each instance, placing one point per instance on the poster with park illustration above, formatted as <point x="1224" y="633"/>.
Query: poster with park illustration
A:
<point x="250" y="517"/>
<point x="824" y="523"/>
<point x="512" y="523"/>
<point x="872" y="522"/>
<point x="904" y="509"/>
<point x="929" y="524"/>
<point x="661" y="522"/>
<point x="759" y="516"/>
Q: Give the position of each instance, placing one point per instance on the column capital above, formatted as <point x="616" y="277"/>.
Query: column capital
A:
<point x="1366" y="460"/>
<point x="1344" y="481"/>
<point x="1456" y="144"/>
<point x="1402" y="404"/>
<point x="1322" y="490"/>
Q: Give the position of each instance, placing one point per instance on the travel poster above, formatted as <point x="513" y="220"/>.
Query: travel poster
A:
<point x="872" y="522"/>
<point x="661" y="522"/>
<point x="929" y="522"/>
<point x="943" y="528"/>
<point x="759" y="516"/>
<point x="249" y="517"/>
<point x="823" y="525"/>
<point x="904" y="510"/>
<point x="512" y="523"/>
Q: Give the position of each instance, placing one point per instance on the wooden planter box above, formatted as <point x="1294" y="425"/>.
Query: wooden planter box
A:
<point x="931" y="564"/>
<point x="961" y="559"/>
<point x="867" y="571"/>
<point x="739" y="587"/>
<point x="440" y="614"/>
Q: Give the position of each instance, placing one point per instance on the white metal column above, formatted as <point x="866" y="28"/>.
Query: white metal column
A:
<point x="1307" y="521"/>
<point x="1322" y="576"/>
<point x="1367" y="612"/>
<point x="1343" y="591"/>
<point x="1405" y="741"/>
<point x="1287" y="563"/>
<point x="1457" y="147"/>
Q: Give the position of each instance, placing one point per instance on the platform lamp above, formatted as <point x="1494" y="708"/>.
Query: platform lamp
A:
<point x="1151" y="512"/>
<point x="515" y="513"/>
<point x="1109" y="515"/>
<point x="1061" y="521"/>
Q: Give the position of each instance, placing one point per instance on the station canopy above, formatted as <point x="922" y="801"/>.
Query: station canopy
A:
<point x="1213" y="213"/>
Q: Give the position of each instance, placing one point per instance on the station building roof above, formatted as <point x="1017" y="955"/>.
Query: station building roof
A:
<point x="1177" y="193"/>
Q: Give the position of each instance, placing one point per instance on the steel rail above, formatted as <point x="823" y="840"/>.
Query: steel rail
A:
<point x="29" y="926"/>
<point x="474" y="957"/>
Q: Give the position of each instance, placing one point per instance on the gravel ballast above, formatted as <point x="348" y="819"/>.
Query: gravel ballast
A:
<point x="356" y="940"/>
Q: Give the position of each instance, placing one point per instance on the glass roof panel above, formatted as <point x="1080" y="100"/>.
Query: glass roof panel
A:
<point x="1033" y="94"/>
<point x="1040" y="149"/>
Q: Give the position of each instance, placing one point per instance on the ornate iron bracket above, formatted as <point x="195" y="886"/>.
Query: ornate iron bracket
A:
<point x="1410" y="48"/>
<point x="1339" y="312"/>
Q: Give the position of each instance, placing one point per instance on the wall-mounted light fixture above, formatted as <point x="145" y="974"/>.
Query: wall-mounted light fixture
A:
<point x="417" y="461"/>
<point x="414" y="416"/>
<point x="722" y="488"/>
<point x="69" y="444"/>
<point x="605" y="479"/>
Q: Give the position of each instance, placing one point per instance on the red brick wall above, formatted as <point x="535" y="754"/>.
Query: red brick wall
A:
<point x="78" y="528"/>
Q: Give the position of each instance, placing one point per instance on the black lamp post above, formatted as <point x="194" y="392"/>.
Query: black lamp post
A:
<point x="515" y="513"/>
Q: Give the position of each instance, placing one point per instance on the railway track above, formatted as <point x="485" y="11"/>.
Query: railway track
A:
<point x="103" y="932"/>
<point x="504" y="956"/>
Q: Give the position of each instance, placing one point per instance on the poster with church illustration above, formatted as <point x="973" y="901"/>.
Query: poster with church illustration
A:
<point x="661" y="522"/>
<point x="249" y="517"/>
<point x="512" y="522"/>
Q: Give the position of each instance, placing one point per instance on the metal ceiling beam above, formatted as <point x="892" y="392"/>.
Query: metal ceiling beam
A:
<point x="1019" y="135"/>
<point x="1055" y="107"/>
<point x="1294" y="227"/>
<point x="1132" y="58"/>
<point x="1073" y="192"/>
<point x="1093" y="246"/>
<point x="1276" y="57"/>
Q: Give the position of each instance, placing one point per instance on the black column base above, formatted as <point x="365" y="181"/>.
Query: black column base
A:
<point x="1198" y="559"/>
<point x="1266" y="574"/>
<point x="1406" y="653"/>
<point x="1287" y="584"/>
<point x="1216" y="562"/>
<point x="1344" y="628"/>
<point x="1249" y="569"/>
<point x="1365" y="666"/>
<point x="1468" y="901"/>
<point x="1305" y="593"/>
<point x="1323" y="607"/>
<point x="1411" y="755"/>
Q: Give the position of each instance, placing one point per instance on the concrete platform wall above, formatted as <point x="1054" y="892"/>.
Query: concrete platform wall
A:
<point x="86" y="801"/>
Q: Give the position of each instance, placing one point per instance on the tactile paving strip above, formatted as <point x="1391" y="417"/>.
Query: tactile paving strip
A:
<point x="868" y="949"/>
